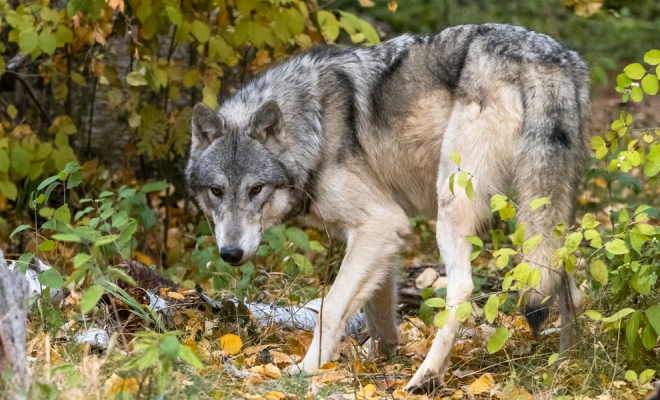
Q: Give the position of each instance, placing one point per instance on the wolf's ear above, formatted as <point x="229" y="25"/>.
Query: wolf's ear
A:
<point x="207" y="126"/>
<point x="267" y="122"/>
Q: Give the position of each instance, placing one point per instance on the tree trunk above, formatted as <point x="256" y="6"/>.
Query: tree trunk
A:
<point x="13" y="329"/>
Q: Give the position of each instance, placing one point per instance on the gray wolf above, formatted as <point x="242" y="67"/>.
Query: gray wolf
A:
<point x="359" y="139"/>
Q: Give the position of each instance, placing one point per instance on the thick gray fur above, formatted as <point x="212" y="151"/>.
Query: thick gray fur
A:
<point x="358" y="139"/>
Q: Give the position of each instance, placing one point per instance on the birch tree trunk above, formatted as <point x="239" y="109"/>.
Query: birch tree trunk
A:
<point x="14" y="293"/>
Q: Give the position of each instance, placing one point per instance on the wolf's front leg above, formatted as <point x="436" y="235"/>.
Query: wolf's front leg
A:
<point x="373" y="249"/>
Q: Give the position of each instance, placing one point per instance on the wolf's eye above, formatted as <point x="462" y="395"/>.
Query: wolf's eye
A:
<point x="255" y="190"/>
<point x="217" y="192"/>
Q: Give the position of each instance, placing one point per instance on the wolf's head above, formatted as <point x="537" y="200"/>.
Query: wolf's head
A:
<point x="236" y="177"/>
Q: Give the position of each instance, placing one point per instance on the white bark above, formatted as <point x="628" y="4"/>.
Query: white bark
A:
<point x="14" y="292"/>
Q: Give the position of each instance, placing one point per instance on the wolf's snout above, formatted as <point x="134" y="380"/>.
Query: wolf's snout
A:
<point x="232" y="255"/>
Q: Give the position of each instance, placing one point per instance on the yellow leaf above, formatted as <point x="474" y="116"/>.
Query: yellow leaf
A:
<point x="392" y="5"/>
<point x="231" y="344"/>
<point x="275" y="395"/>
<point x="175" y="295"/>
<point x="143" y="258"/>
<point x="519" y="393"/>
<point x="367" y="392"/>
<point x="328" y="366"/>
<point x="367" y="3"/>
<point x="481" y="385"/>
<point x="271" y="370"/>
<point x="116" y="384"/>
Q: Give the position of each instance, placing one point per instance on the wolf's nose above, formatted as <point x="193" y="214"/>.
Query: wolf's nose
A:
<point x="232" y="255"/>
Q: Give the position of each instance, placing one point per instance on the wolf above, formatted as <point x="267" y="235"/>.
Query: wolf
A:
<point x="358" y="139"/>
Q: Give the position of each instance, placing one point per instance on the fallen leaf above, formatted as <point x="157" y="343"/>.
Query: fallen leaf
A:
<point x="275" y="395"/>
<point x="116" y="384"/>
<point x="230" y="343"/>
<point x="481" y="385"/>
<point x="143" y="258"/>
<point x="175" y="295"/>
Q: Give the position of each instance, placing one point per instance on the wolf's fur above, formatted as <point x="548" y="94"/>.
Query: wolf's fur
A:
<point x="367" y="134"/>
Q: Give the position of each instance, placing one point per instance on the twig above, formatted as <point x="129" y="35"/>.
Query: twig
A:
<point x="91" y="117"/>
<point x="27" y="86"/>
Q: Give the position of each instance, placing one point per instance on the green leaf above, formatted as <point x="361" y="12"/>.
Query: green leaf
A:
<point x="135" y="78"/>
<point x="19" y="229"/>
<point x="543" y="200"/>
<point x="51" y="278"/>
<point x="497" y="202"/>
<point x="305" y="266"/>
<point x="201" y="31"/>
<point x="174" y="14"/>
<point x="534" y="277"/>
<point x="475" y="241"/>
<point x="20" y="161"/>
<point x="497" y="341"/>
<point x="8" y="188"/>
<point x="154" y="187"/>
<point x="74" y="179"/>
<point x="455" y="157"/>
<point x="462" y="179"/>
<point x="649" y="337"/>
<point x="617" y="246"/>
<point x="4" y="161"/>
<point x="553" y="358"/>
<point x="623" y="81"/>
<point x="63" y="214"/>
<point x="47" y="182"/>
<point x="102" y="241"/>
<point x="436" y="302"/>
<point x="650" y="84"/>
<point x="47" y="245"/>
<point x="66" y="237"/>
<point x="653" y="315"/>
<point x="636" y="94"/>
<point x="24" y="261"/>
<point x="441" y="318"/>
<point x="329" y="25"/>
<point x="646" y="376"/>
<point x="28" y="42"/>
<point x="298" y="237"/>
<point x="618" y="315"/>
<point x="90" y="298"/>
<point x="594" y="315"/>
<point x="148" y="358"/>
<point x="531" y="243"/>
<point x="316" y="246"/>
<point x="635" y="71"/>
<point x="170" y="347"/>
<point x="652" y="57"/>
<point x="47" y="42"/>
<point x="599" y="271"/>
<point x="80" y="259"/>
<point x="632" y="328"/>
<point x="631" y="376"/>
<point x="469" y="191"/>
<point x="491" y="307"/>
<point x="464" y="310"/>
<point x="451" y="183"/>
<point x="188" y="356"/>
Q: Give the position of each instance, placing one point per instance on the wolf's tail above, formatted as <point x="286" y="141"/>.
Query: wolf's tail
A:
<point x="550" y="162"/>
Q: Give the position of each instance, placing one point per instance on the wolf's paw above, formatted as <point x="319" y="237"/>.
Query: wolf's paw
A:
<point x="295" y="369"/>
<point x="424" y="382"/>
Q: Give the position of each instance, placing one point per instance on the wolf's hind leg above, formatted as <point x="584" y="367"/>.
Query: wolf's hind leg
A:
<point x="380" y="310"/>
<point x="482" y="137"/>
<point x="555" y="176"/>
